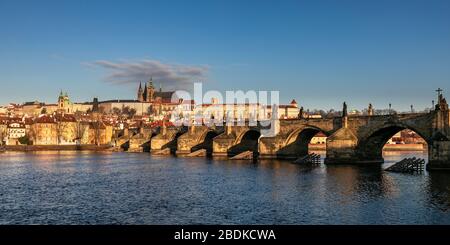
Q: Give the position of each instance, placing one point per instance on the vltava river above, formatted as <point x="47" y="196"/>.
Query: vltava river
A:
<point x="124" y="188"/>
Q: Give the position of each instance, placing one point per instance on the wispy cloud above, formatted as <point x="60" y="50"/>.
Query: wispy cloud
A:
<point x="172" y="76"/>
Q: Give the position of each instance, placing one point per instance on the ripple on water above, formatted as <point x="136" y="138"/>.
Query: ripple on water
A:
<point x="122" y="188"/>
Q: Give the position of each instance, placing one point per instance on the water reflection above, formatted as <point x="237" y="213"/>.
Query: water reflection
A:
<point x="110" y="188"/>
<point x="439" y="190"/>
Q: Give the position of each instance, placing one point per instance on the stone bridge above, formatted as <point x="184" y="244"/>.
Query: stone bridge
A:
<point x="166" y="141"/>
<point x="351" y="139"/>
<point x="197" y="138"/>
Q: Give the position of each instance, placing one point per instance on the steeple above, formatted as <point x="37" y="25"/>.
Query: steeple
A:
<point x="149" y="90"/>
<point x="150" y="82"/>
<point x="160" y="87"/>
<point x="140" y="93"/>
<point x="145" y="96"/>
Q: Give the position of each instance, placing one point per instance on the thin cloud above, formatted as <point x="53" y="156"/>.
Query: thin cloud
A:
<point x="172" y="76"/>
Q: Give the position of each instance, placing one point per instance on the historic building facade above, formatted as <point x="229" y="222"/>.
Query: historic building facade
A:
<point x="44" y="131"/>
<point x="15" y="130"/>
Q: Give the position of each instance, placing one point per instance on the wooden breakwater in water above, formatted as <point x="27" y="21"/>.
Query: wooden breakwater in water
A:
<point x="408" y="165"/>
<point x="310" y="159"/>
<point x="56" y="147"/>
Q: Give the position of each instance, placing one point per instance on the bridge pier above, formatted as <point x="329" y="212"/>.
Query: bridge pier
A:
<point x="235" y="140"/>
<point x="197" y="138"/>
<point x="439" y="149"/>
<point x="341" y="147"/>
<point x="166" y="139"/>
<point x="222" y="144"/>
<point x="439" y="155"/>
<point x="269" y="147"/>
<point x="141" y="141"/>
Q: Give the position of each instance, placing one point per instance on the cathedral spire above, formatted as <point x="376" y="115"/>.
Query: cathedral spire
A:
<point x="150" y="82"/>
<point x="140" y="93"/>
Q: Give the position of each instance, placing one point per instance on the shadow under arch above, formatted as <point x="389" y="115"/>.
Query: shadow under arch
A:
<point x="297" y="143"/>
<point x="172" y="145"/>
<point x="247" y="141"/>
<point x="371" y="147"/>
<point x="206" y="142"/>
<point x="146" y="146"/>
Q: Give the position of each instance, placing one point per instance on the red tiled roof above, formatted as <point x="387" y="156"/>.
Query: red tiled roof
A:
<point x="287" y="106"/>
<point x="45" y="119"/>
<point x="320" y="134"/>
<point x="65" y="118"/>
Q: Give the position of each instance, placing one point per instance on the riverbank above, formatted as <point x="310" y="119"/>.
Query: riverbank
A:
<point x="56" y="147"/>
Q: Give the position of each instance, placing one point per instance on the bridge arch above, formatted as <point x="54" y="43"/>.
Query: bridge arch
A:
<point x="205" y="141"/>
<point x="370" y="147"/>
<point x="247" y="140"/>
<point x="297" y="142"/>
<point x="250" y="134"/>
<point x="308" y="130"/>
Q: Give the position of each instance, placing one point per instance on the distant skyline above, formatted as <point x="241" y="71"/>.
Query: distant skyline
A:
<point x="320" y="53"/>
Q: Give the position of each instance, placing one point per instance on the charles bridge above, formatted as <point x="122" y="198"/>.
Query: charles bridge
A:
<point x="350" y="139"/>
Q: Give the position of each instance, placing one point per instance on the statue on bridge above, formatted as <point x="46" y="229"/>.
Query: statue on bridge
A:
<point x="442" y="102"/>
<point x="344" y="110"/>
<point x="300" y="114"/>
<point x="370" y="110"/>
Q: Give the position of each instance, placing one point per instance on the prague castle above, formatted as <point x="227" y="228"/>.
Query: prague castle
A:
<point x="148" y="94"/>
<point x="148" y="101"/>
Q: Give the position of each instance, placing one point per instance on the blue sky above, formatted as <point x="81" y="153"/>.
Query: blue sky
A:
<point x="319" y="52"/>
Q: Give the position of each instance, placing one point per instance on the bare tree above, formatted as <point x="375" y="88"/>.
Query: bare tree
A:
<point x="116" y="111"/>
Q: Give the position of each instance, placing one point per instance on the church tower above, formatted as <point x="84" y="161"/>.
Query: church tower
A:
<point x="150" y="90"/>
<point x="145" y="93"/>
<point x="140" y="93"/>
<point x="64" y="104"/>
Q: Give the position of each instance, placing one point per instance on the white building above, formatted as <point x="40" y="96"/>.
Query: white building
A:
<point x="15" y="131"/>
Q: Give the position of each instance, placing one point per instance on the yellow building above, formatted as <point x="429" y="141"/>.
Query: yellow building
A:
<point x="319" y="138"/>
<point x="44" y="131"/>
<point x="95" y="133"/>
<point x="67" y="129"/>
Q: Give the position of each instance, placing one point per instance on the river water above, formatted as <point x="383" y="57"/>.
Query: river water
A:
<point x="136" y="188"/>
